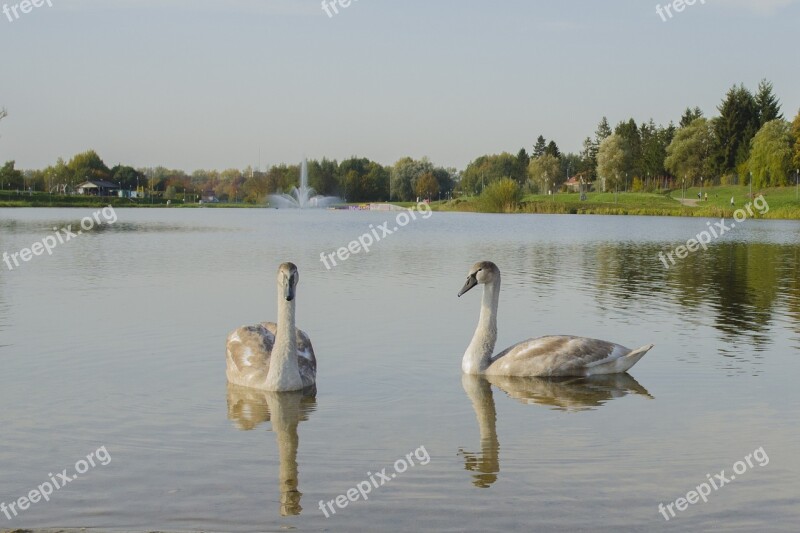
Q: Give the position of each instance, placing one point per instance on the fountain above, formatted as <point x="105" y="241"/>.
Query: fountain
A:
<point x="303" y="196"/>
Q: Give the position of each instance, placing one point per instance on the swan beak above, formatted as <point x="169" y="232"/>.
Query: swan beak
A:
<point x="289" y="292"/>
<point x="471" y="282"/>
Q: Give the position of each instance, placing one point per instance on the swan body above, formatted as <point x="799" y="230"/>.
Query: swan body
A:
<point x="273" y="356"/>
<point x="548" y="356"/>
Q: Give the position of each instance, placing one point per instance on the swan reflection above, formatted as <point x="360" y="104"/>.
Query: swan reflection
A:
<point x="248" y="408"/>
<point x="569" y="394"/>
<point x="566" y="394"/>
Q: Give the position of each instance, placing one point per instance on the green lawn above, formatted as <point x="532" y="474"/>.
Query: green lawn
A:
<point x="782" y="202"/>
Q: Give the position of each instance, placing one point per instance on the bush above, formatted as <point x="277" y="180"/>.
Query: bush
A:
<point x="502" y="196"/>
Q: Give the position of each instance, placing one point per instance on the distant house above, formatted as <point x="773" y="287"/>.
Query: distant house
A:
<point x="577" y="181"/>
<point x="209" y="197"/>
<point x="573" y="184"/>
<point x="98" y="188"/>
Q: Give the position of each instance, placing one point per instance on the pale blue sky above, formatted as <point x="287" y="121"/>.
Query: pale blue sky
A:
<point x="199" y="84"/>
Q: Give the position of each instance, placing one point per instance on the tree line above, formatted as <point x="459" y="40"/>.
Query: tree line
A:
<point x="749" y="137"/>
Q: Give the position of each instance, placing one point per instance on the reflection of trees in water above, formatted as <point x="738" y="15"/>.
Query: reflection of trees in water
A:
<point x="4" y="307"/>
<point x="737" y="288"/>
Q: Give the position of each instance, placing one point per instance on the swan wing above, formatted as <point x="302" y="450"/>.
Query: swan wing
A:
<point x="249" y="348"/>
<point x="307" y="361"/>
<point x="555" y="356"/>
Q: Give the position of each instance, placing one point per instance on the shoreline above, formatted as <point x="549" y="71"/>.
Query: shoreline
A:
<point x="782" y="204"/>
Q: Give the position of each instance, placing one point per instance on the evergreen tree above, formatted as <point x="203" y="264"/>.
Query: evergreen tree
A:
<point x="654" y="149"/>
<point x="689" y="116"/>
<point x="589" y="158"/>
<point x="602" y="133"/>
<point x="796" y="135"/>
<point x="540" y="148"/>
<point x="633" y="141"/>
<point x="768" y="105"/>
<point x="552" y="149"/>
<point x="735" y="128"/>
<point x="521" y="168"/>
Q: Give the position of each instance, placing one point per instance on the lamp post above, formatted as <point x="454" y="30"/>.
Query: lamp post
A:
<point x="751" y="185"/>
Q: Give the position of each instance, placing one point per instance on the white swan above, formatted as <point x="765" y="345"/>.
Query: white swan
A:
<point x="269" y="356"/>
<point x="545" y="356"/>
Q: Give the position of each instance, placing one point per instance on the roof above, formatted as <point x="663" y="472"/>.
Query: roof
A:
<point x="100" y="184"/>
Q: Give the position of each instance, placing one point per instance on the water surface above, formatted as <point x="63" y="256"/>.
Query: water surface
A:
<point x="118" y="338"/>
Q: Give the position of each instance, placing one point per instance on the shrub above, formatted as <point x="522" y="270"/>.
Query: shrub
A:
<point x="502" y="196"/>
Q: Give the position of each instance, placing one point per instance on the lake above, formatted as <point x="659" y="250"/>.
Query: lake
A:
<point x="114" y="346"/>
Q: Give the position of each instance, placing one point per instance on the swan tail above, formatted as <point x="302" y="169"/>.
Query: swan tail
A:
<point x="622" y="364"/>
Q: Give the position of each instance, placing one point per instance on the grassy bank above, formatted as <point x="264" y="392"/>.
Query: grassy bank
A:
<point x="782" y="203"/>
<point x="40" y="199"/>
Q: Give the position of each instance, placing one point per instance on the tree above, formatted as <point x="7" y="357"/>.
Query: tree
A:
<point x="523" y="160"/>
<point x="10" y="177"/>
<point x="589" y="158"/>
<point x="540" y="147"/>
<point x="689" y="155"/>
<point x="603" y="132"/>
<point x="655" y="140"/>
<point x="489" y="168"/>
<point x="552" y="149"/>
<point x="689" y="116"/>
<point x="613" y="161"/>
<point x="734" y="128"/>
<point x="363" y="180"/>
<point x="88" y="166"/>
<point x="427" y="186"/>
<point x="257" y="187"/>
<point x="126" y="177"/>
<point x="404" y="176"/>
<point x="796" y="134"/>
<point x="544" y="171"/>
<point x="629" y="132"/>
<point x="323" y="176"/>
<point x="445" y="178"/>
<point x="767" y="104"/>
<point x="569" y="165"/>
<point x="771" y="154"/>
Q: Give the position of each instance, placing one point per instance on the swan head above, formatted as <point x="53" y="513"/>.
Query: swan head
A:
<point x="480" y="273"/>
<point x="288" y="277"/>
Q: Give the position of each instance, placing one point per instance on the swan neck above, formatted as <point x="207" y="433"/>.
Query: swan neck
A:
<point x="479" y="353"/>
<point x="284" y="372"/>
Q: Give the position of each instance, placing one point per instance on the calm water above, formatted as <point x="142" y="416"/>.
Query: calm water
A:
<point x="118" y="340"/>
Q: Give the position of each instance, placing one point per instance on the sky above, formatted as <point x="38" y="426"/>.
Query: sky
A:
<point x="200" y="84"/>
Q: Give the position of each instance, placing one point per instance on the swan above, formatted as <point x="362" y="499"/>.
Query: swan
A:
<point x="269" y="356"/>
<point x="249" y="407"/>
<point x="544" y="356"/>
